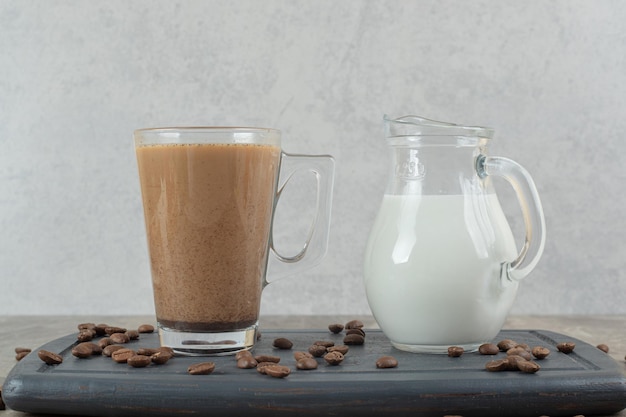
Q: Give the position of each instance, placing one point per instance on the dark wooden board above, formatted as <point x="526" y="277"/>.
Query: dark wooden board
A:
<point x="586" y="381"/>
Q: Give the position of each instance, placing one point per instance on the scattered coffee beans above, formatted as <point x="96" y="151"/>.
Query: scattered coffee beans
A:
<point x="100" y="329"/>
<point x="20" y="352"/>
<point x="49" y="358"/>
<point x="161" y="357"/>
<point x="604" y="348"/>
<point x="317" y="350"/>
<point x="110" y="349"/>
<point x="147" y="351"/>
<point x="86" y="349"/>
<point x="132" y="334"/>
<point x="267" y="358"/>
<point x="355" y="331"/>
<point x="86" y="335"/>
<point x="282" y="343"/>
<point x="334" y="358"/>
<point x="306" y="364"/>
<point x="519" y="352"/>
<point x="354" y="324"/>
<point x="528" y="367"/>
<point x="339" y="348"/>
<point x="455" y="351"/>
<point x="513" y="361"/>
<point x="386" y="362"/>
<point x="19" y="356"/>
<point x="335" y="328"/>
<point x="113" y="329"/>
<point x="540" y="352"/>
<point x="566" y="347"/>
<point x="353" y="339"/>
<point x="297" y="355"/>
<point x="203" y="368"/>
<point x="104" y="342"/>
<point x="246" y="362"/>
<point x="260" y="367"/>
<point x="506" y="344"/>
<point x="139" y="361"/>
<point x="242" y="353"/>
<point x="122" y="355"/>
<point x="325" y="343"/>
<point x="145" y="328"/>
<point x="119" y="338"/>
<point x="488" y="349"/>
<point x="277" y="371"/>
<point x="497" y="365"/>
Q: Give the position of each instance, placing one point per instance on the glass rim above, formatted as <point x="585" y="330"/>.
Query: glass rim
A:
<point x="206" y="134"/>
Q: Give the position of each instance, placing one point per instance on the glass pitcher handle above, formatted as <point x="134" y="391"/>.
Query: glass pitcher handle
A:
<point x="532" y="211"/>
<point x="316" y="243"/>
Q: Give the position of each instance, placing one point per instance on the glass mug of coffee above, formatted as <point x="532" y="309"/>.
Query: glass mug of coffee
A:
<point x="209" y="195"/>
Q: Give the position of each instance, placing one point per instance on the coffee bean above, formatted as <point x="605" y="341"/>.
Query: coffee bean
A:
<point x="523" y="346"/>
<point x="20" y="356"/>
<point x="325" y="343"/>
<point x="87" y="326"/>
<point x="339" y="348"/>
<point x="147" y="351"/>
<point x="317" y="350"/>
<point x="260" y="367"/>
<point x="528" y="367"/>
<point x="335" y="328"/>
<point x="119" y="338"/>
<point x="354" y="324"/>
<point x="100" y="329"/>
<point x="49" y="358"/>
<point x="386" y="362"/>
<point x="203" y="368"/>
<point x="455" y="351"/>
<point x="161" y="357"/>
<point x="488" y="349"/>
<point x="519" y="352"/>
<point x="306" y="364"/>
<point x="355" y="331"/>
<point x="86" y="335"/>
<point x="506" y="344"/>
<point x="604" y="348"/>
<point x="566" y="347"/>
<point x="334" y="358"/>
<point x="277" y="371"/>
<point x="132" y="334"/>
<point x="540" y="352"/>
<point x="22" y="350"/>
<point x="113" y="329"/>
<point x="497" y="365"/>
<point x="247" y="362"/>
<point x="282" y="343"/>
<point x="122" y="355"/>
<point x="243" y="353"/>
<point x="104" y="342"/>
<point x="267" y="358"/>
<point x="108" y="350"/>
<point x="297" y="355"/>
<point x="353" y="339"/>
<point x="514" y="361"/>
<point x="139" y="361"/>
<point x="86" y="349"/>
<point x="146" y="328"/>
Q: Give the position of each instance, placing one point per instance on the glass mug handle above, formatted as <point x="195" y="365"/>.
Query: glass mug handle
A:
<point x="316" y="243"/>
<point x="532" y="211"/>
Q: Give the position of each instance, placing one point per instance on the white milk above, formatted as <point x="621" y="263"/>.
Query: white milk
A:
<point x="432" y="270"/>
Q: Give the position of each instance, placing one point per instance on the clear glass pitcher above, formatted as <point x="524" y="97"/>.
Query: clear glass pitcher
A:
<point x="441" y="264"/>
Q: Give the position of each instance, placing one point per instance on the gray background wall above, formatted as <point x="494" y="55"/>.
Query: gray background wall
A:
<point x="76" y="78"/>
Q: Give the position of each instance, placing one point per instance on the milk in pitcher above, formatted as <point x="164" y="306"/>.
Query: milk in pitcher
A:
<point x="433" y="267"/>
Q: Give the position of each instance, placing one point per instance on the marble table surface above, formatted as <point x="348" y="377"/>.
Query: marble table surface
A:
<point x="34" y="331"/>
